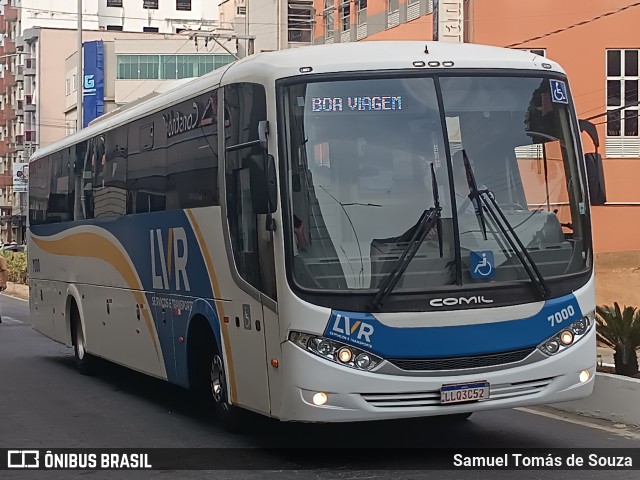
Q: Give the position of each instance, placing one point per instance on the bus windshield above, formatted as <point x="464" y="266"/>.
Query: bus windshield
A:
<point x="360" y="153"/>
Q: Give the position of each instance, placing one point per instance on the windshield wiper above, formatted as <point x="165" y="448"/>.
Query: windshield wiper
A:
<point x="485" y="199"/>
<point x="429" y="219"/>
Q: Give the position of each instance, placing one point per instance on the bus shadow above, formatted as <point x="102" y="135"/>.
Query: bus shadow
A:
<point x="291" y="439"/>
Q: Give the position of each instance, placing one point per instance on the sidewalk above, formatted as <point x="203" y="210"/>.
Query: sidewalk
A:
<point x="605" y="356"/>
<point x="17" y="290"/>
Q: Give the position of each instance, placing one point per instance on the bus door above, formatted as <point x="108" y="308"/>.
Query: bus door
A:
<point x="254" y="328"/>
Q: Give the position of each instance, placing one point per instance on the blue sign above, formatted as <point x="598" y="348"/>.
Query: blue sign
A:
<point x="93" y="82"/>
<point x="483" y="265"/>
<point x="559" y="91"/>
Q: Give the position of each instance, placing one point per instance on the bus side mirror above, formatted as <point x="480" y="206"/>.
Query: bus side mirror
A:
<point x="595" y="179"/>
<point x="264" y="186"/>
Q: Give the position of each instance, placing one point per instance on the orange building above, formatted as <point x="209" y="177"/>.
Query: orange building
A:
<point x="597" y="43"/>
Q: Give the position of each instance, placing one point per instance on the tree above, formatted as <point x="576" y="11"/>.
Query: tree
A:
<point x="620" y="330"/>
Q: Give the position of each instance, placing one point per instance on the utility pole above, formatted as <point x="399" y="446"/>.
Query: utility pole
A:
<point x="80" y="76"/>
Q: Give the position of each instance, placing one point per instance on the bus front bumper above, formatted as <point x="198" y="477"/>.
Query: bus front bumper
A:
<point x="354" y="395"/>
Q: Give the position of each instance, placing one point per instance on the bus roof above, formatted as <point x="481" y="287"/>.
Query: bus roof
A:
<point x="333" y="58"/>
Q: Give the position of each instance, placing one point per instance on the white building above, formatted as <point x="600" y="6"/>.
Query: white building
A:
<point x="162" y="16"/>
<point x="275" y="24"/>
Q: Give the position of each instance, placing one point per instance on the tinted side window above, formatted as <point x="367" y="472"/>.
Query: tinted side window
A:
<point x="59" y="206"/>
<point x="173" y="158"/>
<point x="192" y="153"/>
<point x="147" y="167"/>
<point x="109" y="190"/>
<point x="39" y="188"/>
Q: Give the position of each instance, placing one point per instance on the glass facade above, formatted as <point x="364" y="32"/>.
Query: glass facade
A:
<point x="168" y="67"/>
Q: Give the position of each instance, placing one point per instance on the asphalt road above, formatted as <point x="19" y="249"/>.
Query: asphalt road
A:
<point x="45" y="403"/>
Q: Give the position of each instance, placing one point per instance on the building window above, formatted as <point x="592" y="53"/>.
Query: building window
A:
<point x="241" y="10"/>
<point x="328" y="19"/>
<point x="117" y="28"/>
<point x="393" y="13"/>
<point x="622" y="103"/>
<point x="168" y="67"/>
<point x="114" y="3"/>
<point x="300" y="19"/>
<point x="345" y="16"/>
<point x="151" y="4"/>
<point x="183" y="5"/>
<point x="150" y="29"/>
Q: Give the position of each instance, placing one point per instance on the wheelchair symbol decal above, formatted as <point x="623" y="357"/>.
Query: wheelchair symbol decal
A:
<point x="559" y="91"/>
<point x="482" y="265"/>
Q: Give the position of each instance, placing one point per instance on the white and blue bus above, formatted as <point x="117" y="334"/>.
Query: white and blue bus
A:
<point x="335" y="233"/>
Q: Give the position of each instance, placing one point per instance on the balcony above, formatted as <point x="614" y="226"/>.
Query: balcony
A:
<point x="19" y="143"/>
<point x="29" y="104"/>
<point x="8" y="112"/>
<point x="30" y="67"/>
<point x="20" y="108"/>
<point x="9" y="79"/>
<point x="6" y="179"/>
<point x="20" y="73"/>
<point x="10" y="13"/>
<point x="9" y="46"/>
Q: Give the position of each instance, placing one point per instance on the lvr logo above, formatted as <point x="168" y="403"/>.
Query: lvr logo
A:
<point x="172" y="259"/>
<point x="343" y="326"/>
<point x="89" y="81"/>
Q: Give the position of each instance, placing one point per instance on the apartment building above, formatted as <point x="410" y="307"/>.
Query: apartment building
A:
<point x="596" y="43"/>
<point x="37" y="37"/>
<point x="275" y="24"/>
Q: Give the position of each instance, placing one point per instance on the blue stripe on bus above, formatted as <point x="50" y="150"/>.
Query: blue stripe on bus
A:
<point x="365" y="331"/>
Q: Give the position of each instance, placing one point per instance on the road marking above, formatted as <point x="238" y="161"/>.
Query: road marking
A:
<point x="624" y="432"/>
<point x="10" y="320"/>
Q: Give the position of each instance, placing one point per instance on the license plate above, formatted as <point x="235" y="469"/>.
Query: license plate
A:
<point x="464" y="392"/>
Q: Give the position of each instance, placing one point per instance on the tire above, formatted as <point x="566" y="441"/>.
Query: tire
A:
<point x="85" y="362"/>
<point x="233" y="419"/>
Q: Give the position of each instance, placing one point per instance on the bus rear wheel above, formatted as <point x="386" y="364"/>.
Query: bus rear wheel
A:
<point x="85" y="362"/>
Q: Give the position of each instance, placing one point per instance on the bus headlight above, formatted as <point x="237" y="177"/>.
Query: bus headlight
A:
<point x="337" y="352"/>
<point x="567" y="337"/>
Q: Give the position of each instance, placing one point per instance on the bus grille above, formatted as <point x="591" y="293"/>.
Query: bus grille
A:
<point x="431" y="398"/>
<point x="460" y="363"/>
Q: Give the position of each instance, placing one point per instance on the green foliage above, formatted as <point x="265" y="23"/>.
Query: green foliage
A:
<point x="17" y="264"/>
<point x="620" y="330"/>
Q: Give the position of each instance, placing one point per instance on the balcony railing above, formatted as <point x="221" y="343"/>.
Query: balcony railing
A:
<point x="6" y="179"/>
<point x="30" y="67"/>
<point x="29" y="104"/>
<point x="8" y="112"/>
<point x="9" y="79"/>
<point x="30" y="136"/>
<point x="9" y="46"/>
<point x="10" y="13"/>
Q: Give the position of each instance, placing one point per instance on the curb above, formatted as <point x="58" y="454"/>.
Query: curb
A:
<point x="614" y="398"/>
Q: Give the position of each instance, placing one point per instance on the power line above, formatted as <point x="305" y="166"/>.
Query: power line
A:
<point x="584" y="22"/>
